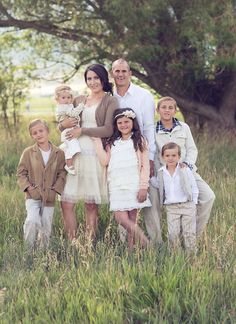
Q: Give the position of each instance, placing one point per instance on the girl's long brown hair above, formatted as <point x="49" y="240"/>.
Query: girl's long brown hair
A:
<point x="138" y="139"/>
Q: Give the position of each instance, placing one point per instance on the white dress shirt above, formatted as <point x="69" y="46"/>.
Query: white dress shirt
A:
<point x="142" y="103"/>
<point x="172" y="185"/>
<point x="173" y="190"/>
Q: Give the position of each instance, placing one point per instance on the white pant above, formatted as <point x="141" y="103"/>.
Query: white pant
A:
<point x="70" y="147"/>
<point x="38" y="223"/>
<point x="181" y="218"/>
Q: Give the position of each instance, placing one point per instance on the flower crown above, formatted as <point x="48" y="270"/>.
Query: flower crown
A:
<point x="64" y="90"/>
<point x="127" y="113"/>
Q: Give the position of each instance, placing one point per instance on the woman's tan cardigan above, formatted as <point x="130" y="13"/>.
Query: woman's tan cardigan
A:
<point x="103" y="115"/>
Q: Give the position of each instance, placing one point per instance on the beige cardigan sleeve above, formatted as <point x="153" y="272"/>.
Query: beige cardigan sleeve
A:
<point x="104" y="119"/>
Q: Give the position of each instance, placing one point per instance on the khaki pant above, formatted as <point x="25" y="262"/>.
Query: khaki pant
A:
<point x="38" y="223"/>
<point x="152" y="216"/>
<point x="181" y="219"/>
<point x="205" y="202"/>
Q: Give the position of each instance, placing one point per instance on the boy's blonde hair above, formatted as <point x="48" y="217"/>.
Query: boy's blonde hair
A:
<point x="36" y="122"/>
<point x="61" y="89"/>
<point x="166" y="99"/>
<point x="170" y="146"/>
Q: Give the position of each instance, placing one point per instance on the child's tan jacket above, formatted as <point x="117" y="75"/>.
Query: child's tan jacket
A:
<point x="47" y="181"/>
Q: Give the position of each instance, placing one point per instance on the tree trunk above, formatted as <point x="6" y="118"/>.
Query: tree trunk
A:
<point x="5" y="116"/>
<point x="228" y="103"/>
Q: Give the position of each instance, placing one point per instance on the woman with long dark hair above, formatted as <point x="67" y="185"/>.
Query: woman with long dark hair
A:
<point x="89" y="182"/>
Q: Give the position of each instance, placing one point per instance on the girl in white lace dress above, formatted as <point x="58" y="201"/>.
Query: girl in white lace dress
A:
<point x="126" y="155"/>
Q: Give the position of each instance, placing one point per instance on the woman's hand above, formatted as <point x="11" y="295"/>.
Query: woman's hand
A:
<point x="142" y="195"/>
<point x="69" y="122"/>
<point x="74" y="133"/>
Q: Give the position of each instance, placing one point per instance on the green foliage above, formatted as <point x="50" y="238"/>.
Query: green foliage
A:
<point x="14" y="72"/>
<point x="172" y="33"/>
<point x="182" y="48"/>
<point x="79" y="283"/>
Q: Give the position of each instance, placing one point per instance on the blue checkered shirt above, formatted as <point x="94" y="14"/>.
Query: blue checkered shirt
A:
<point x="160" y="126"/>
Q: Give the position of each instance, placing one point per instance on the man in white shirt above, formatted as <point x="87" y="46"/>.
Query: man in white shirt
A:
<point x="141" y="101"/>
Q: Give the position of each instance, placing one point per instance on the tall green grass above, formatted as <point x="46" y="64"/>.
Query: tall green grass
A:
<point x="80" y="283"/>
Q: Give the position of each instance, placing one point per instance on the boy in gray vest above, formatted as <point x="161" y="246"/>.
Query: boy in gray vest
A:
<point x="179" y="193"/>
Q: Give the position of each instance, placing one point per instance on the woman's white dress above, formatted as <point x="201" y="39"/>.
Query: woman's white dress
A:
<point x="123" y="177"/>
<point x="89" y="184"/>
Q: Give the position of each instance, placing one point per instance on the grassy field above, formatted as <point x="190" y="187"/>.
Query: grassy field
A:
<point x="38" y="105"/>
<point x="46" y="105"/>
<point x="77" y="283"/>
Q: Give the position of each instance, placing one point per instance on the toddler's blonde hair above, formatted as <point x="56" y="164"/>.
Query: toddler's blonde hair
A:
<point x="61" y="89"/>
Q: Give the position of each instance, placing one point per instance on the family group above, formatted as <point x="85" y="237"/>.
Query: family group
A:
<point x="112" y="152"/>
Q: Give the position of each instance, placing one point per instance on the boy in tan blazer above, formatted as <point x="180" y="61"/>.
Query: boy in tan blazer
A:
<point x="41" y="175"/>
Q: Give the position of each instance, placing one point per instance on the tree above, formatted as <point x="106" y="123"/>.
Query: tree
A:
<point x="181" y="48"/>
<point x="14" y="76"/>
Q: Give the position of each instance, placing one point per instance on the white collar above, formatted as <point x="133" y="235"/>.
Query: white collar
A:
<point x="165" y="168"/>
<point x="130" y="91"/>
